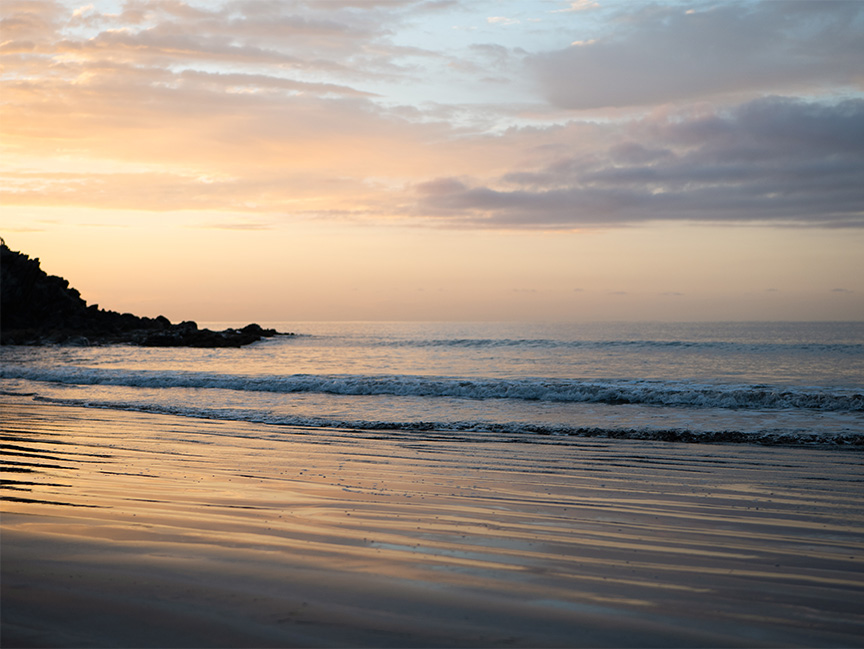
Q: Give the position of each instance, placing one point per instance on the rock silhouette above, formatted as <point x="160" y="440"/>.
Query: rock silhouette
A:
<point x="38" y="309"/>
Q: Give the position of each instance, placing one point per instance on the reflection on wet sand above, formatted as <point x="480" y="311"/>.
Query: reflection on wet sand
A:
<point x="235" y="534"/>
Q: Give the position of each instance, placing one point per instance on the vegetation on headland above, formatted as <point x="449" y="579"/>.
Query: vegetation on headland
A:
<point x="39" y="309"/>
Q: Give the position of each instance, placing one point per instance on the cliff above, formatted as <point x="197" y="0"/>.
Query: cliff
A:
<point x="37" y="308"/>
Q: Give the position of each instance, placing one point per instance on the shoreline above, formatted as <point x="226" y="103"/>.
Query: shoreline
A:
<point x="127" y="529"/>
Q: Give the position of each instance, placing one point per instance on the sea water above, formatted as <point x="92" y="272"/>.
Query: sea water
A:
<point x="765" y="383"/>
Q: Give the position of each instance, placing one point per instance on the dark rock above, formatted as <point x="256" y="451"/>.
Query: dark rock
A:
<point x="37" y="309"/>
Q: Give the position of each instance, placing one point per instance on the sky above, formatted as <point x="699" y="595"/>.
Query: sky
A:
<point x="580" y="160"/>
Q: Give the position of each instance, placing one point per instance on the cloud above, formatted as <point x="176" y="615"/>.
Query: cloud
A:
<point x="660" y="54"/>
<point x="80" y="11"/>
<point x="227" y="82"/>
<point x="578" y="5"/>
<point x="342" y="38"/>
<point x="773" y="159"/>
<point x="238" y="225"/>
<point x="502" y="20"/>
<point x="15" y="47"/>
<point x="283" y="108"/>
<point x="442" y="187"/>
<point x="30" y="19"/>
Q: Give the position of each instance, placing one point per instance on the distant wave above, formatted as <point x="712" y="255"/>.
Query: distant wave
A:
<point x="613" y="392"/>
<point x="535" y="343"/>
<point x="479" y="432"/>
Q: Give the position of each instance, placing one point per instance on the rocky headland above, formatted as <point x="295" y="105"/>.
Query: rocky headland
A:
<point x="40" y="309"/>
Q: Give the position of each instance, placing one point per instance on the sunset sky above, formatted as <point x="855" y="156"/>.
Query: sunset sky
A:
<point x="439" y="159"/>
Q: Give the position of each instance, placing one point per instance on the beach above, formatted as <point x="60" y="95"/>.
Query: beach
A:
<point x="432" y="323"/>
<point x="131" y="529"/>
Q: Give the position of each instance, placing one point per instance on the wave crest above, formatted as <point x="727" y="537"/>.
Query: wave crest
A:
<point x="612" y="392"/>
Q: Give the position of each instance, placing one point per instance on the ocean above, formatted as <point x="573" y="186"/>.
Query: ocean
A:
<point x="745" y="383"/>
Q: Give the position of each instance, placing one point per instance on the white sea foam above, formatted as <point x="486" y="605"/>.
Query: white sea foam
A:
<point x="615" y="392"/>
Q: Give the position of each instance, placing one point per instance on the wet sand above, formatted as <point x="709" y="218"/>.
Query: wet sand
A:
<point x="125" y="529"/>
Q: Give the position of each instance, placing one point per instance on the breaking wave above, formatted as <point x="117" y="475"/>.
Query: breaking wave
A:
<point x="612" y="392"/>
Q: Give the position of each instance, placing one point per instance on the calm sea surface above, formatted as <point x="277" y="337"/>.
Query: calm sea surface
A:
<point x="767" y="383"/>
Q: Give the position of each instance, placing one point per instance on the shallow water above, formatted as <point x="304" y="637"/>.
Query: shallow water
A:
<point x="764" y="383"/>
